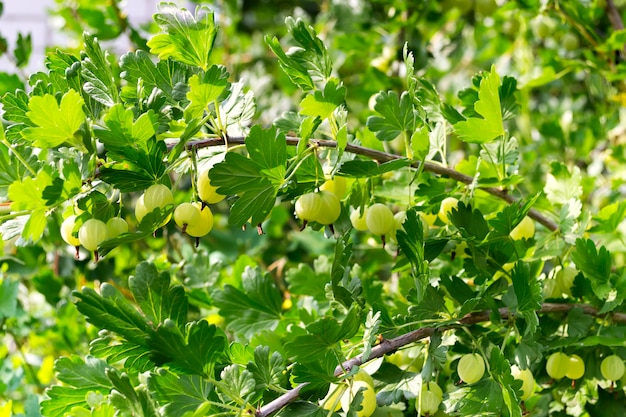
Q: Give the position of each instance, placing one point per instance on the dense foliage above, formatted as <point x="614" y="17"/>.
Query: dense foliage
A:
<point x="345" y="208"/>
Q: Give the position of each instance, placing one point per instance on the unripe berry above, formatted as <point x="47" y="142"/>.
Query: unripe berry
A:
<point x="206" y="191"/>
<point x="308" y="206"/>
<point x="330" y="208"/>
<point x="116" y="226"/>
<point x="528" y="381"/>
<point x="471" y="368"/>
<point x="380" y="220"/>
<point x="557" y="365"/>
<point x="186" y="214"/>
<point x="203" y="226"/>
<point x="91" y="234"/>
<point x="524" y="230"/>
<point x="157" y="196"/>
<point x="358" y="220"/>
<point x="446" y="207"/>
<point x="612" y="368"/>
<point x="67" y="227"/>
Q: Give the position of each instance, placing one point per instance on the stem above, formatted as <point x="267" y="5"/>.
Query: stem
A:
<point x="19" y="157"/>
<point x="391" y="345"/>
<point x="382" y="157"/>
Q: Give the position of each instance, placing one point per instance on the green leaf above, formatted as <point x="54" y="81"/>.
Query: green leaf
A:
<point x="509" y="217"/>
<point x="138" y="169"/>
<point x="309" y="62"/>
<point x="266" y="369"/>
<point x="490" y="126"/>
<point x="411" y="242"/>
<point x="304" y="280"/>
<point x="196" y="351"/>
<point x="157" y="300"/>
<point x="470" y="223"/>
<point x="578" y="323"/>
<point x="255" y="308"/>
<point x="55" y="123"/>
<point x="123" y="131"/>
<point x="295" y="70"/>
<point x="370" y="333"/>
<point x="322" y="336"/>
<point x="111" y="310"/>
<point x="8" y="298"/>
<point x="363" y="169"/>
<point x="237" y="384"/>
<point x="257" y="180"/>
<point x="165" y="75"/>
<point x="420" y="143"/>
<point x="15" y="107"/>
<point x="204" y="90"/>
<point x="528" y="294"/>
<point x="398" y="115"/>
<point x="80" y="377"/>
<point x="188" y="39"/>
<point x="96" y="70"/>
<point x="595" y="264"/>
<point x="563" y="185"/>
<point x="323" y="104"/>
<point x="180" y="394"/>
<point x="23" y="49"/>
<point x="129" y="400"/>
<point x="28" y="195"/>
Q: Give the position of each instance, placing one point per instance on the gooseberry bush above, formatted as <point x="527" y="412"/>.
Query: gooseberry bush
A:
<point x="380" y="209"/>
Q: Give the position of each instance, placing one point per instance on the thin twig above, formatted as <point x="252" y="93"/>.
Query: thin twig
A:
<point x="391" y="345"/>
<point x="386" y="157"/>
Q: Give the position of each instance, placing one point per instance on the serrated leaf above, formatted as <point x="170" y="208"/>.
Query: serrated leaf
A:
<point x="195" y="351"/>
<point x="578" y="323"/>
<point x="563" y="185"/>
<point x="237" y="384"/>
<point x="180" y="394"/>
<point x="138" y="169"/>
<point x="509" y="217"/>
<point x="128" y="399"/>
<point x="256" y="180"/>
<point x="528" y="294"/>
<point x="470" y="222"/>
<point x="81" y="378"/>
<point x="110" y="310"/>
<point x="167" y="75"/>
<point x="204" y="90"/>
<point x="323" y="103"/>
<point x="268" y="149"/>
<point x="322" y="336"/>
<point x="123" y="131"/>
<point x="15" y="107"/>
<point x="411" y="242"/>
<point x="266" y="369"/>
<point x="188" y="38"/>
<point x="363" y="169"/>
<point x="255" y="308"/>
<point x="96" y="70"/>
<point x="157" y="300"/>
<point x="55" y="123"/>
<point x="397" y="115"/>
<point x="23" y="49"/>
<point x="309" y="62"/>
<point x="28" y="195"/>
<point x="490" y="126"/>
<point x="595" y="264"/>
<point x="304" y="280"/>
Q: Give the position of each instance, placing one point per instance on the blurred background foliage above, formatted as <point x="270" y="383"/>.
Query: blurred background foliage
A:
<point x="568" y="58"/>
